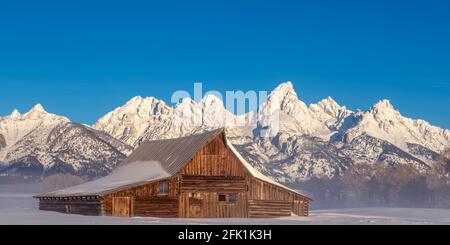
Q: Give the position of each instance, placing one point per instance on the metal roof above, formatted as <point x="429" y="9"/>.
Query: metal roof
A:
<point x="172" y="154"/>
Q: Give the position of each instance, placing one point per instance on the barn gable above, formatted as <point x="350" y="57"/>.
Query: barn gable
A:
<point x="226" y="164"/>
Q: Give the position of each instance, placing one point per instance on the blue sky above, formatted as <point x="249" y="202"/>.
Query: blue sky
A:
<point x="84" y="58"/>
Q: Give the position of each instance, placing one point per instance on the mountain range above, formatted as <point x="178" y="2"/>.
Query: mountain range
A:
<point x="40" y="143"/>
<point x="320" y="140"/>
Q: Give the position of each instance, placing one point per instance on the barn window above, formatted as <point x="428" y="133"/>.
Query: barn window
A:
<point x="228" y="199"/>
<point x="222" y="198"/>
<point x="232" y="198"/>
<point x="195" y="199"/>
<point x="164" y="188"/>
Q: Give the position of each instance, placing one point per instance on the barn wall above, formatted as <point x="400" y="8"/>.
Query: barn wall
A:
<point x="300" y="207"/>
<point x="213" y="184"/>
<point x="144" y="195"/>
<point x="214" y="159"/>
<point x="206" y="190"/>
<point x="269" y="208"/>
<point x="213" y="171"/>
<point x="162" y="207"/>
<point x="210" y="207"/>
<point x="260" y="190"/>
<point x="265" y="198"/>
<point x="260" y="199"/>
<point x="81" y="207"/>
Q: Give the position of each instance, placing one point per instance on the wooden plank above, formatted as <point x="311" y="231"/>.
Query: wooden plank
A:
<point x="269" y="208"/>
<point x="122" y="206"/>
<point x="213" y="184"/>
<point x="214" y="159"/>
<point x="74" y="206"/>
<point x="162" y="207"/>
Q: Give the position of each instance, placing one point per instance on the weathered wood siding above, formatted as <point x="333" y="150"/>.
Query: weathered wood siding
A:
<point x="260" y="190"/>
<point x="300" y="207"/>
<point x="71" y="205"/>
<point x="214" y="159"/>
<point x="269" y="208"/>
<point x="122" y="206"/>
<point x="141" y="195"/>
<point x="261" y="193"/>
<point x="210" y="207"/>
<point x="162" y="207"/>
<point x="213" y="171"/>
<point x="213" y="184"/>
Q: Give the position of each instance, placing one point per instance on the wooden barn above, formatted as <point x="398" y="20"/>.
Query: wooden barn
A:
<point x="200" y="176"/>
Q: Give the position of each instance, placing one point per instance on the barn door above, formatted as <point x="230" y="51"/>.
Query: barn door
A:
<point x="196" y="203"/>
<point x="122" y="206"/>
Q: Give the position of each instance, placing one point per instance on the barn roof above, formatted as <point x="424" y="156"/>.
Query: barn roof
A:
<point x="130" y="175"/>
<point x="155" y="161"/>
<point x="173" y="154"/>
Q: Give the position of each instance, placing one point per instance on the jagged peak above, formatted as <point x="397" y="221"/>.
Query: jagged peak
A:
<point x="15" y="114"/>
<point x="383" y="105"/>
<point x="139" y="103"/>
<point x="329" y="102"/>
<point x="283" y="88"/>
<point x="207" y="98"/>
<point x="284" y="94"/>
<point x="39" y="112"/>
<point x="187" y="100"/>
<point x="152" y="101"/>
<point x="38" y="108"/>
<point x="210" y="99"/>
<point x="286" y="85"/>
<point x="138" y="100"/>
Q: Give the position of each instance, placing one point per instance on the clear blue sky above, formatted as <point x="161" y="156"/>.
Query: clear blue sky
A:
<point x="84" y="58"/>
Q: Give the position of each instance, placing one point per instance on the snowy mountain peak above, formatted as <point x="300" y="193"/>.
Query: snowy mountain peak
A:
<point x="325" y="120"/>
<point x="186" y="103"/>
<point x="285" y="97"/>
<point x="327" y="108"/>
<point x="328" y="100"/>
<point x="329" y="103"/>
<point x="39" y="113"/>
<point x="38" y="108"/>
<point x="15" y="114"/>
<point x="316" y="140"/>
<point x="135" y="100"/>
<point x="15" y="127"/>
<point x="284" y="90"/>
<point x="36" y="112"/>
<point x="141" y="102"/>
<point x="383" y="105"/>
<point x="211" y="99"/>
<point x="285" y="86"/>
<point x="384" y="122"/>
<point x="130" y="121"/>
<point x="139" y="107"/>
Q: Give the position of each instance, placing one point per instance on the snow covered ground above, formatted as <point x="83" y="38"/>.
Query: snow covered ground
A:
<point x="17" y="207"/>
